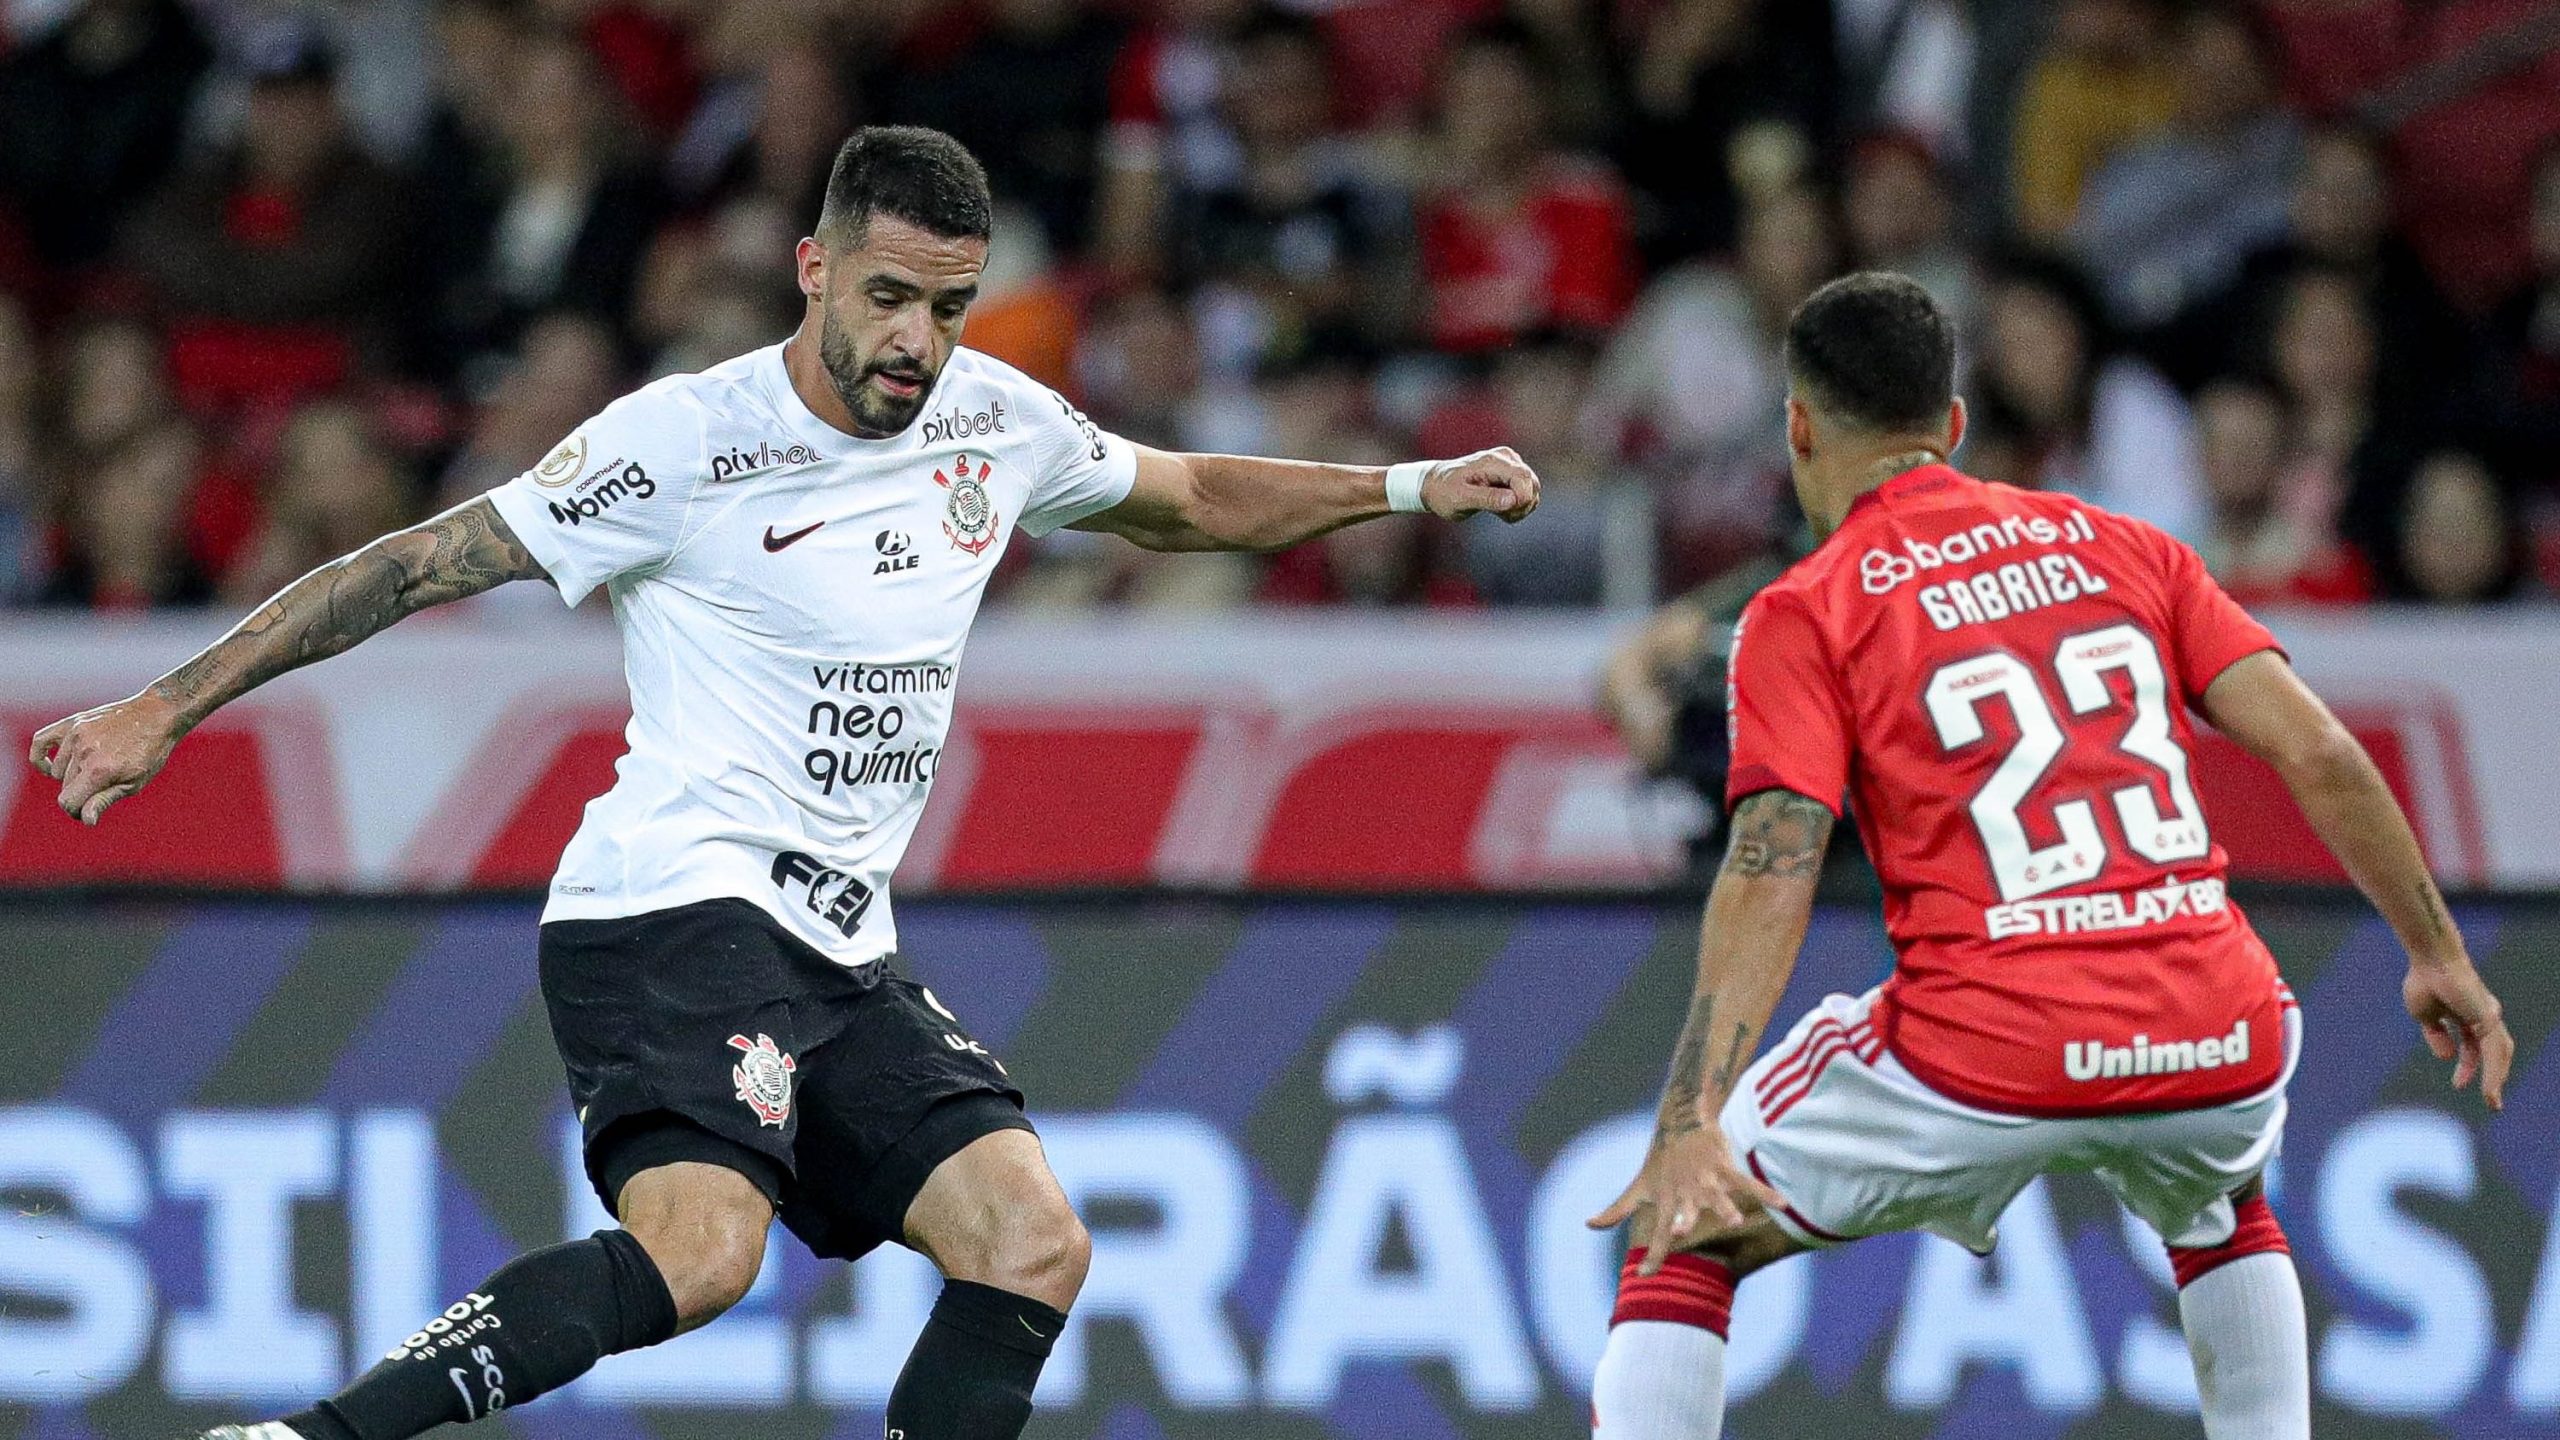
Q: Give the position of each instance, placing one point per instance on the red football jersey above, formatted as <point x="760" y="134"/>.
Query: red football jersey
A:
<point x="1998" y="680"/>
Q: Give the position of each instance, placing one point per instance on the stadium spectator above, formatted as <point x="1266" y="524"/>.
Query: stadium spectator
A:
<point x="1727" y="96"/>
<point x="1029" y="94"/>
<point x="281" y="262"/>
<point x="555" y="214"/>
<point x="93" y="110"/>
<point x="337" y="485"/>
<point x="1168" y="87"/>
<point x="2513" y="393"/>
<point x="1691" y="387"/>
<point x="1896" y="214"/>
<point x="2469" y="93"/>
<point x="2338" y="215"/>
<point x="2105" y="80"/>
<point x="1285" y="234"/>
<point x="2171" y="217"/>
<point x="2072" y="411"/>
<point x="2462" y="540"/>
<point x="1907" y="66"/>
<point x="1517" y="234"/>
<point x="127" y="473"/>
<point x="1534" y="403"/>
<point x="22" y="451"/>
<point x="2268" y="535"/>
<point x="565" y="371"/>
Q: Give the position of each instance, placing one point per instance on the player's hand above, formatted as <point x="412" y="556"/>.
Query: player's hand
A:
<point x="2463" y="1023"/>
<point x="1690" y="1191"/>
<point x="103" y="755"/>
<point x="1489" y="482"/>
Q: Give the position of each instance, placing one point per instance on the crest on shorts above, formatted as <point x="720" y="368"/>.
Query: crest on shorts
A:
<point x="970" y="519"/>
<point x="763" y="1074"/>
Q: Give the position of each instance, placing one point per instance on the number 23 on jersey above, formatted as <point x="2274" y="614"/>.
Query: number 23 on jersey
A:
<point x="2144" y="748"/>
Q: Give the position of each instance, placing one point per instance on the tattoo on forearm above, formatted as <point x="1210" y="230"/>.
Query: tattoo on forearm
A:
<point x="1736" y="1050"/>
<point x="2439" y="919"/>
<point x="1778" y="832"/>
<point x="462" y="552"/>
<point x="1679" y="1113"/>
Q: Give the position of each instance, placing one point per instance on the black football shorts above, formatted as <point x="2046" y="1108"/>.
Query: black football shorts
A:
<point x="707" y="1032"/>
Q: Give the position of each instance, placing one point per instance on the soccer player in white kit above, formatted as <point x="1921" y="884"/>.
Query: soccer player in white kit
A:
<point x="794" y="544"/>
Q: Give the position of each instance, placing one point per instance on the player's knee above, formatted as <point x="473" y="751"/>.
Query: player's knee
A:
<point x="705" y="1233"/>
<point x="1045" y="1255"/>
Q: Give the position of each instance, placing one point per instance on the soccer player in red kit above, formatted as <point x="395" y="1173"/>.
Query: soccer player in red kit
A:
<point x="1996" y="683"/>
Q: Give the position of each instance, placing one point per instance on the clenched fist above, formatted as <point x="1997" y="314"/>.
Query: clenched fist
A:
<point x="1489" y="482"/>
<point x="103" y="755"/>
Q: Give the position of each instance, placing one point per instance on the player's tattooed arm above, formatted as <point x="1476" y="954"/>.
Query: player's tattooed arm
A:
<point x="1755" y="920"/>
<point x="459" y="553"/>
<point x="105" y="754"/>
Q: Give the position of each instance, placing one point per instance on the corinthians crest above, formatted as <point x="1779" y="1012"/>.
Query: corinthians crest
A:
<point x="763" y="1074"/>
<point x="970" y="520"/>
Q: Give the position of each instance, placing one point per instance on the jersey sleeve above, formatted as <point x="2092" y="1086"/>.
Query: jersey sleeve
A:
<point x="614" y="498"/>
<point x="2208" y="631"/>
<point x="1083" y="468"/>
<point x="1787" y="719"/>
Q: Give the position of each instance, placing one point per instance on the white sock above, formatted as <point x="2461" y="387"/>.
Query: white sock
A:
<point x="2253" y="1361"/>
<point x="1659" y="1381"/>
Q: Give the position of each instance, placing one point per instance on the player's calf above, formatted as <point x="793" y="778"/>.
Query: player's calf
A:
<point x="2241" y="1305"/>
<point x="694" y="1243"/>
<point x="1661" y="1376"/>
<point x="1013" y="1255"/>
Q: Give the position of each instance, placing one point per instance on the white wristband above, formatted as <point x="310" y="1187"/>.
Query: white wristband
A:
<point x="1404" y="485"/>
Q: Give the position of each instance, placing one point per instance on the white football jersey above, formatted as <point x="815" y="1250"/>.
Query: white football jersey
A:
<point x="793" y="603"/>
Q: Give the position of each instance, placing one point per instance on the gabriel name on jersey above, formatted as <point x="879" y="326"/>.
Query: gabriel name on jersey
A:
<point x="793" y="602"/>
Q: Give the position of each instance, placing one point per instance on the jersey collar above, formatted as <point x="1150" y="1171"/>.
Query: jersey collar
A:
<point x="804" y="423"/>
<point x="1921" y="481"/>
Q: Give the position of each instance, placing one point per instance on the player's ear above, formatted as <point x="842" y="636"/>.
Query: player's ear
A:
<point x="810" y="260"/>
<point x="1799" y="428"/>
<point x="1955" y="424"/>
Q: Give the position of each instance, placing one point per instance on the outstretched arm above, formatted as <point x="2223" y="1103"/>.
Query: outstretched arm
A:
<point x="1241" y="502"/>
<point x="2260" y="703"/>
<point x="103" y="755"/>
<point x="1755" y="923"/>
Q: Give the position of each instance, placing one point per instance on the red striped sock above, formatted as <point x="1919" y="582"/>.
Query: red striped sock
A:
<point x="2257" y="1234"/>
<point x="1687" y="1290"/>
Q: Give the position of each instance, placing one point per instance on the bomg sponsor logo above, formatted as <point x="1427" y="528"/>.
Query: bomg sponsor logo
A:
<point x="965" y="424"/>
<point x="629" y="482"/>
<point x="740" y="464"/>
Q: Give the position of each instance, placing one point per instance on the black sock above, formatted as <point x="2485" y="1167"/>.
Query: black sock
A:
<point x="542" y="1321"/>
<point x="971" y="1373"/>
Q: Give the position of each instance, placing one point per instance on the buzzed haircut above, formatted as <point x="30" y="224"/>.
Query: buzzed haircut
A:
<point x="921" y="176"/>
<point x="1874" y="349"/>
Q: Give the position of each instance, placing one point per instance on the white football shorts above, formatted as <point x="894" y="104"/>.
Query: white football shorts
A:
<point x="1857" y="1146"/>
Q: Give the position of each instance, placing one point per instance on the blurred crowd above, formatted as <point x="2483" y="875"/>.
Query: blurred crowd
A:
<point x="2283" y="277"/>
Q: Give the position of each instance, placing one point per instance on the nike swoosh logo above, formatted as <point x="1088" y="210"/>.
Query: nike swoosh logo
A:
<point x="1027" y="1325"/>
<point x="774" y="544"/>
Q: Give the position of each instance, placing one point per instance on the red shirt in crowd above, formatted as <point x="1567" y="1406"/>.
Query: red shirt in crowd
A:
<point x="1562" y="257"/>
<point x="1998" y="681"/>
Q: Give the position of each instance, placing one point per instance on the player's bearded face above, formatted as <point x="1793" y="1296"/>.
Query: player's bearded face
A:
<point x="892" y="316"/>
<point x="876" y="403"/>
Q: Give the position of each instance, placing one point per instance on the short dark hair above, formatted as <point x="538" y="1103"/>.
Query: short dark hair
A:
<point x="921" y="176"/>
<point x="1875" y="349"/>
